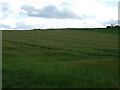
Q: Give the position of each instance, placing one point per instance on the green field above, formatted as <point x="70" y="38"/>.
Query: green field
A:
<point x="62" y="58"/>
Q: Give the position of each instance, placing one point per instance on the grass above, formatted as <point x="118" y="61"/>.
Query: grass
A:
<point x="69" y="58"/>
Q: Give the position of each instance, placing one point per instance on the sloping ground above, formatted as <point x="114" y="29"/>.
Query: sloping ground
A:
<point x="60" y="58"/>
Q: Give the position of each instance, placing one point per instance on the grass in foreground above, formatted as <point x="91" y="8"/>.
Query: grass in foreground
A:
<point x="60" y="59"/>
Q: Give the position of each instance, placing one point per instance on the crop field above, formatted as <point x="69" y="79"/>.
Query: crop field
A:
<point x="61" y="58"/>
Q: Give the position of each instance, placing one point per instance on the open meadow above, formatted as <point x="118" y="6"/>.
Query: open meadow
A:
<point x="61" y="58"/>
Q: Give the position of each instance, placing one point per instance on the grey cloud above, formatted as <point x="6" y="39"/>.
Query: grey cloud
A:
<point x="21" y="25"/>
<point x="110" y="22"/>
<point x="5" y="26"/>
<point x="65" y="4"/>
<point x="113" y="22"/>
<point x="4" y="10"/>
<point x="49" y="11"/>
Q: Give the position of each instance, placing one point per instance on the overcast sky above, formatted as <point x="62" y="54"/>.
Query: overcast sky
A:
<point x="28" y="14"/>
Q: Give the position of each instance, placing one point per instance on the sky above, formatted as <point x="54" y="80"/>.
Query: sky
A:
<point x="30" y="14"/>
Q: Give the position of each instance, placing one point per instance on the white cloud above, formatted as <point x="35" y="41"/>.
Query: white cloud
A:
<point x="92" y="13"/>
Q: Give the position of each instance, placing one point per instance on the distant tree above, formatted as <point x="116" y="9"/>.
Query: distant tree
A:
<point x="108" y="27"/>
<point x="117" y="26"/>
<point x="36" y="29"/>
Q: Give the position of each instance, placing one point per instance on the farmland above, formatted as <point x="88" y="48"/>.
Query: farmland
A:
<point x="61" y="58"/>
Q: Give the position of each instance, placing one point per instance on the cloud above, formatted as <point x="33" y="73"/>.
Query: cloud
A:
<point x="27" y="14"/>
<point x="3" y="26"/>
<point x="4" y="10"/>
<point x="113" y="22"/>
<point x="49" y="11"/>
<point x="110" y="22"/>
<point x="21" y="25"/>
<point x="109" y="1"/>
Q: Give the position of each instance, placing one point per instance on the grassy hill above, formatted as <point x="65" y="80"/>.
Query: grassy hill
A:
<point x="62" y="58"/>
